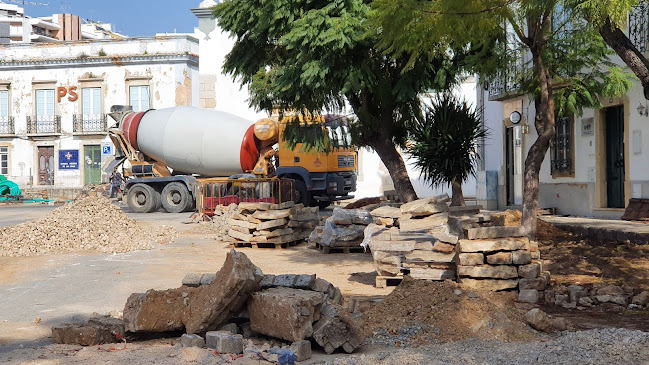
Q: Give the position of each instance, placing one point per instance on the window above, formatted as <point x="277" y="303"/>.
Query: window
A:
<point x="4" y="160"/>
<point x="44" y="104"/>
<point x="4" y="103"/>
<point x="91" y="102"/>
<point x="561" y="152"/>
<point x="139" y="98"/>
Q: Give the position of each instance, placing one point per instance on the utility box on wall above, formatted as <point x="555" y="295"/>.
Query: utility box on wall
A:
<point x="487" y="189"/>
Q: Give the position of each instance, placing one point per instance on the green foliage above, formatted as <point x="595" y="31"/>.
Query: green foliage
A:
<point x="597" y="11"/>
<point x="310" y="55"/>
<point x="445" y="140"/>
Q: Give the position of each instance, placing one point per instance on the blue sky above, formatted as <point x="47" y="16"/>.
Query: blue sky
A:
<point x="134" y="18"/>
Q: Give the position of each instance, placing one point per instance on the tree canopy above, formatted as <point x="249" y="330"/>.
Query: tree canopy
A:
<point x="310" y="55"/>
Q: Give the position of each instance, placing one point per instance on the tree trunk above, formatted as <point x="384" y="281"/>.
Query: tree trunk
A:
<point x="622" y="45"/>
<point x="391" y="158"/>
<point x="543" y="121"/>
<point x="458" y="197"/>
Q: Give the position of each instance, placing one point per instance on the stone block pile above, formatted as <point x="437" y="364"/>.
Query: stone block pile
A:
<point x="261" y="224"/>
<point x="236" y="304"/>
<point x="345" y="228"/>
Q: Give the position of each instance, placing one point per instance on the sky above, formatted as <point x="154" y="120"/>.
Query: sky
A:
<point x="134" y="18"/>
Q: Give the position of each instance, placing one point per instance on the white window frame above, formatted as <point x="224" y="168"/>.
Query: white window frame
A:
<point x="4" y="160"/>
<point x="45" y="98"/>
<point x="4" y="103"/>
<point x="91" y="103"/>
<point x="136" y="97"/>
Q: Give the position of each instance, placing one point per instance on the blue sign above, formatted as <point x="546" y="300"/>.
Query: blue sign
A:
<point x="106" y="150"/>
<point x="68" y="159"/>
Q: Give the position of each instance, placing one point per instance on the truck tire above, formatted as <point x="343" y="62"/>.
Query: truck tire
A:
<point x="142" y="198"/>
<point x="176" y="198"/>
<point x="322" y="204"/>
<point x="301" y="194"/>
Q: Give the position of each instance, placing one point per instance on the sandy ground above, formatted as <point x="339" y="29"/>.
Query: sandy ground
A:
<point x="37" y="292"/>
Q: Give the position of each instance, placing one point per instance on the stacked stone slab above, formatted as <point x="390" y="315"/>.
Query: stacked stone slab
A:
<point x="500" y="258"/>
<point x="421" y="245"/>
<point x="344" y="228"/>
<point x="258" y="223"/>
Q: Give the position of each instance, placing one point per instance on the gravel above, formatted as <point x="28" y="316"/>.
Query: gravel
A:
<point x="604" y="346"/>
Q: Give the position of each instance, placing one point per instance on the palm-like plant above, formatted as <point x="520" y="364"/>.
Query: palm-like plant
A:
<point x="444" y="143"/>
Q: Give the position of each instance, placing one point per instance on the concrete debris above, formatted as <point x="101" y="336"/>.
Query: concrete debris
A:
<point x="192" y="340"/>
<point x="337" y="329"/>
<point x="224" y="342"/>
<point x="96" y="331"/>
<point x="285" y="313"/>
<point x="90" y="224"/>
<point x="196" y="310"/>
<point x="302" y="350"/>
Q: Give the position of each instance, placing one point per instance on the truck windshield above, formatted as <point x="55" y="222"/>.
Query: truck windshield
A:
<point x="339" y="136"/>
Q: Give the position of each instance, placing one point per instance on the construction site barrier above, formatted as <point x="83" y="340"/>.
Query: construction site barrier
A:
<point x="218" y="192"/>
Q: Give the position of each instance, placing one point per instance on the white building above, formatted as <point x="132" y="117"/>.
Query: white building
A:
<point x="596" y="162"/>
<point x="54" y="100"/>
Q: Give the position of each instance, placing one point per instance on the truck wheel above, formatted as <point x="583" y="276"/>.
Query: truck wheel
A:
<point x="142" y="198"/>
<point x="300" y="194"/>
<point x="323" y="203"/>
<point x="176" y="198"/>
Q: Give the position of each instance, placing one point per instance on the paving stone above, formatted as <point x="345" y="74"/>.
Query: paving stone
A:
<point x="208" y="278"/>
<point x="229" y="327"/>
<point x="285" y="313"/>
<point x="224" y="342"/>
<point x="192" y="340"/>
<point x="486" y="271"/>
<point x="302" y="350"/>
<point x="192" y="279"/>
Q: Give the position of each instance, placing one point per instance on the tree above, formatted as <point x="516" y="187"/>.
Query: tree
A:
<point x="568" y="61"/>
<point x="309" y="55"/>
<point x="445" y="141"/>
<point x="608" y="16"/>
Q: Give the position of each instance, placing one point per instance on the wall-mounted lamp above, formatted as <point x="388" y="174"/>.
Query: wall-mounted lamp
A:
<point x="643" y="110"/>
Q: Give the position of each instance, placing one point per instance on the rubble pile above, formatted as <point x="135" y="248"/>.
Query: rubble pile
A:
<point x="345" y="228"/>
<point x="237" y="303"/>
<point x="266" y="223"/>
<point x="90" y="224"/>
<point x="217" y="228"/>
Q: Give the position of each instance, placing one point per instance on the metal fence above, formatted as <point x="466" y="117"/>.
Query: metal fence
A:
<point x="7" y="125"/>
<point x="89" y="123"/>
<point x="218" y="192"/>
<point x="44" y="124"/>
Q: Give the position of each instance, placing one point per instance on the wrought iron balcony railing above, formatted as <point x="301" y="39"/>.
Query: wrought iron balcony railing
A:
<point x="639" y="26"/>
<point x="44" y="124"/>
<point x="89" y="123"/>
<point x="7" y="125"/>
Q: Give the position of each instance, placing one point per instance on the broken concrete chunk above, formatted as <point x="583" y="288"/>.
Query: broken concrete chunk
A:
<point x="157" y="310"/>
<point x="285" y="313"/>
<point x="336" y="328"/>
<point x="224" y="342"/>
<point x="302" y="350"/>
<point x="96" y="331"/>
<point x="214" y="304"/>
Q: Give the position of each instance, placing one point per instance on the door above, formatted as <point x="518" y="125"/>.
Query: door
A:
<point x="615" y="157"/>
<point x="509" y="166"/>
<point x="45" y="165"/>
<point x="91" y="164"/>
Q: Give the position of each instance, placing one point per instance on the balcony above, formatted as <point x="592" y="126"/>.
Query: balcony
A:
<point x="44" y="125"/>
<point x="638" y="26"/>
<point x="508" y="82"/>
<point x="89" y="124"/>
<point x="7" y="126"/>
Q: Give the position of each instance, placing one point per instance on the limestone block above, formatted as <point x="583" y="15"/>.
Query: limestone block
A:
<point x="539" y="283"/>
<point x="437" y="220"/>
<point x="470" y="259"/>
<point x="487" y="271"/>
<point x="302" y="350"/>
<point x="271" y="224"/>
<point x="192" y="279"/>
<point x="425" y="207"/>
<point x="492" y="245"/>
<point x="488" y="284"/>
<point x="495" y="232"/>
<point x="440" y="246"/>
<point x="241" y="223"/>
<point x="386" y="212"/>
<point x="392" y="246"/>
<point x="521" y="257"/>
<point x="239" y="235"/>
<point x="335" y="329"/>
<point x="529" y="271"/>
<point x="540" y="321"/>
<point x="273" y="214"/>
<point x="285" y="313"/>
<point x="432" y="274"/>
<point x="431" y="256"/>
<point x="500" y="258"/>
<point x="252" y="206"/>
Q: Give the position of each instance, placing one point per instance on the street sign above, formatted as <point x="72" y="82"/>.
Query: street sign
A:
<point x="68" y="159"/>
<point x="106" y="149"/>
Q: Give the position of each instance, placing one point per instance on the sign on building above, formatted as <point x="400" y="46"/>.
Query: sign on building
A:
<point x="68" y="159"/>
<point x="106" y="149"/>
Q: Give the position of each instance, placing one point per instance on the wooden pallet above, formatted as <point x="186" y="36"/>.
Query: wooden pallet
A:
<point x="264" y="244"/>
<point x="328" y="249"/>
<point x="383" y="281"/>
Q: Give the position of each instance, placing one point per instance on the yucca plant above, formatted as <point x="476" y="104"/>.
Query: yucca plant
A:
<point x="444" y="143"/>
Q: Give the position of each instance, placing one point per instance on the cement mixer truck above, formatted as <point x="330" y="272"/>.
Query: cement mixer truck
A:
<point x="171" y="151"/>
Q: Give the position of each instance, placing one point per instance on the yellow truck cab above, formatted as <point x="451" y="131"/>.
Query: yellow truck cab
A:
<point x="320" y="177"/>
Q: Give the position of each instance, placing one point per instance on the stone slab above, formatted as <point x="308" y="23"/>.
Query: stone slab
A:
<point x="430" y="256"/>
<point x="432" y="274"/>
<point x="494" y="232"/>
<point x="251" y="206"/>
<point x="244" y="224"/>
<point x="271" y="224"/>
<point x="491" y="245"/>
<point x="273" y="214"/>
<point x="499" y="258"/>
<point x="487" y="271"/>
<point x="488" y="284"/>
<point x="470" y="259"/>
